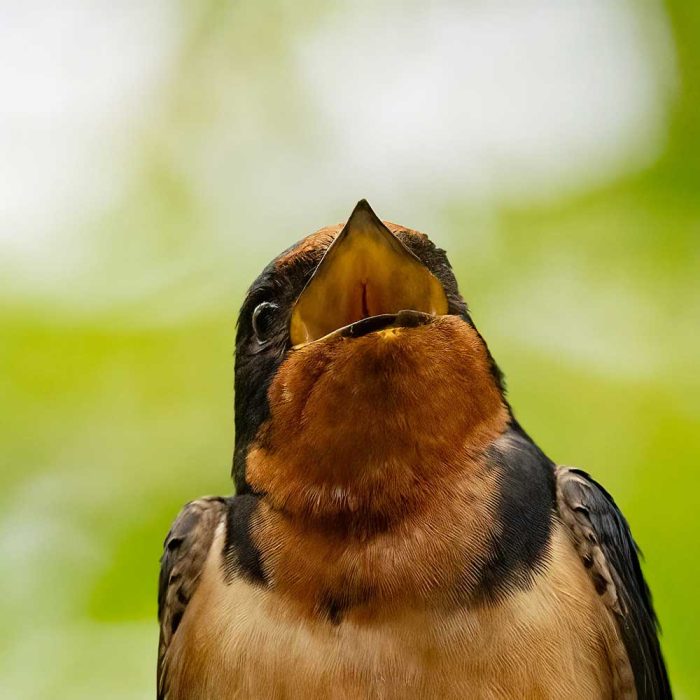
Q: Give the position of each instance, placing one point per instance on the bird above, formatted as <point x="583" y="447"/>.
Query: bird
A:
<point x="395" y="532"/>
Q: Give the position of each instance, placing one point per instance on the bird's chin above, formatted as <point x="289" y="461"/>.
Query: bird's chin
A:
<point x="385" y="364"/>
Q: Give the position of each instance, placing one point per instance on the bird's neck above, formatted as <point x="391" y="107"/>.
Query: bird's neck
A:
<point x="377" y="487"/>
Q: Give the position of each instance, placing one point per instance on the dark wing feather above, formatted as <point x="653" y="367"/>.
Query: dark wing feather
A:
<point x="604" y="541"/>
<point x="185" y="550"/>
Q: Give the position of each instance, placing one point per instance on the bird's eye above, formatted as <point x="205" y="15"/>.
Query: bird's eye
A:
<point x="263" y="319"/>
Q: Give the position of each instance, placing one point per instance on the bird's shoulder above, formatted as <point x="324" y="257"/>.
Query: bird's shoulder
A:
<point x="187" y="546"/>
<point x="604" y="542"/>
<point x="185" y="551"/>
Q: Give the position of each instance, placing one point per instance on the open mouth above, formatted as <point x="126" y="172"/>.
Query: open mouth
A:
<point x="366" y="282"/>
<point x="406" y="318"/>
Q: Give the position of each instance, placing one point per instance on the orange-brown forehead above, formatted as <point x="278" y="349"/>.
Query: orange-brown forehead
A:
<point x="317" y="243"/>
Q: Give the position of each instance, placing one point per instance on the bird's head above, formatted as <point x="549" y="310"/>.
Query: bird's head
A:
<point x="360" y="378"/>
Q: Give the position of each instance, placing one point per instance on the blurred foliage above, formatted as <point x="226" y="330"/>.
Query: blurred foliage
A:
<point x="114" y="415"/>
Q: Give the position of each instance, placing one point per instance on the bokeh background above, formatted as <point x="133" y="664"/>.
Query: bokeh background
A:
<point x="155" y="155"/>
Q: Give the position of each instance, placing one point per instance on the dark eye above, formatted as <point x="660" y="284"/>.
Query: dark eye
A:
<point x="264" y="318"/>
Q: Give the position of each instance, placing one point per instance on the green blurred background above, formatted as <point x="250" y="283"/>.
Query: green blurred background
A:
<point x="155" y="155"/>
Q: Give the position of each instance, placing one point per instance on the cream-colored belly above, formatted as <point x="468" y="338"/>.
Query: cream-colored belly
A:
<point x="243" y="641"/>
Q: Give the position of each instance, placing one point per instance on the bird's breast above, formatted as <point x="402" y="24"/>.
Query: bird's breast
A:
<point x="243" y="640"/>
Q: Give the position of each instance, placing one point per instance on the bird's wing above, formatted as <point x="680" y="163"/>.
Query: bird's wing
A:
<point x="604" y="542"/>
<point x="185" y="550"/>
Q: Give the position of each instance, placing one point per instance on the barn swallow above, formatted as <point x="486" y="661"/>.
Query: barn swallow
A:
<point x="395" y="532"/>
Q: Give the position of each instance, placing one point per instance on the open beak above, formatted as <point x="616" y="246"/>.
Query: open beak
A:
<point x="366" y="273"/>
